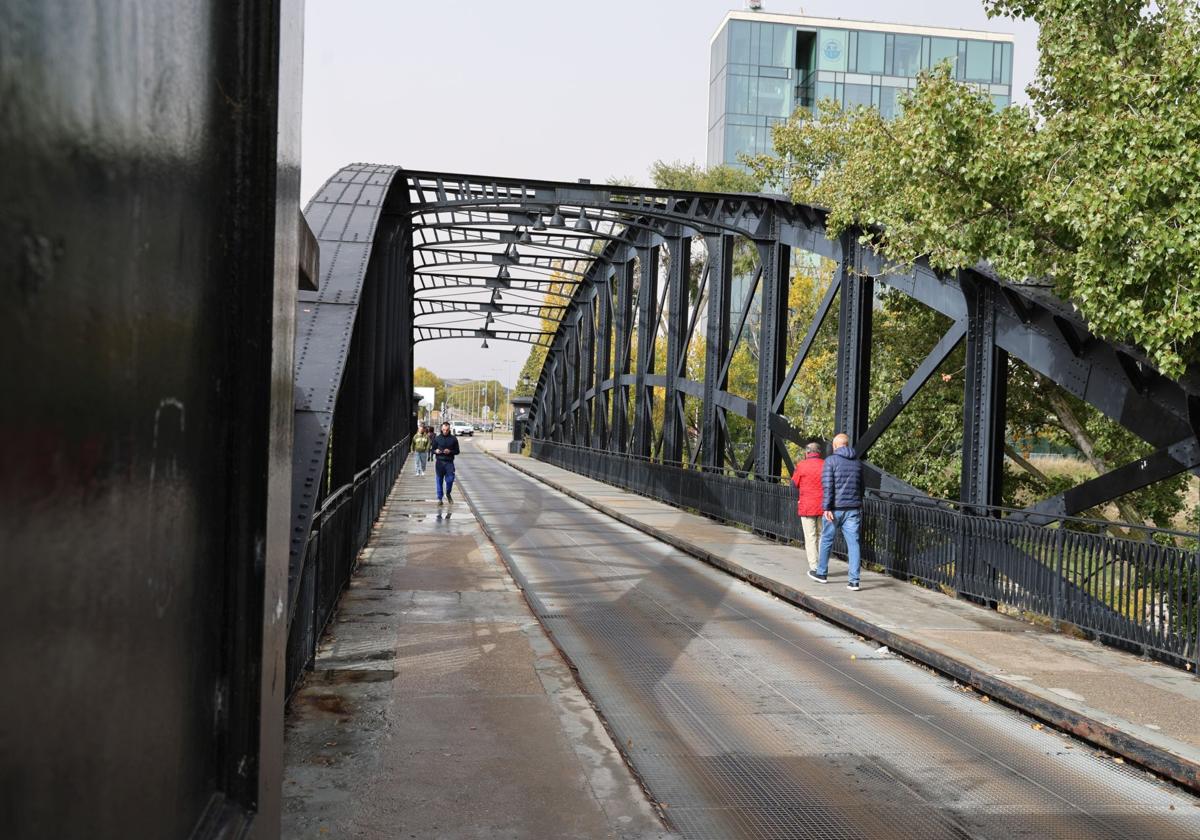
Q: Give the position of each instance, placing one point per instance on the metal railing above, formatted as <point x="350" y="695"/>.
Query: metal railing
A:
<point x="1140" y="592"/>
<point x="340" y="531"/>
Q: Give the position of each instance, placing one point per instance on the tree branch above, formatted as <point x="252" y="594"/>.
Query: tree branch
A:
<point x="1083" y="440"/>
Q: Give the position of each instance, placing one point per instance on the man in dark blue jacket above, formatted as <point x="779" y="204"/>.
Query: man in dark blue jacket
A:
<point x="445" y="447"/>
<point x="842" y="483"/>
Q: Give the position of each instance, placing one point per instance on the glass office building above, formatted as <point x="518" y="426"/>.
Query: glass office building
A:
<point x="764" y="66"/>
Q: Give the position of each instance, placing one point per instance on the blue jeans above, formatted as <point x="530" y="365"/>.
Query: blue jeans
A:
<point x="421" y="462"/>
<point x="445" y="473"/>
<point x="847" y="521"/>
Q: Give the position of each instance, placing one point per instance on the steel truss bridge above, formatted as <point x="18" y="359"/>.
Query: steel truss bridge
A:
<point x="411" y="256"/>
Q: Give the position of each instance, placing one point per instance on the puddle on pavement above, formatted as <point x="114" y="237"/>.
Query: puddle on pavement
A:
<point x="348" y="676"/>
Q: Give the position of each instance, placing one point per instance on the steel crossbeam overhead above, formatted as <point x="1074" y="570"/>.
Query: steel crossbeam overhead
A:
<point x="429" y="306"/>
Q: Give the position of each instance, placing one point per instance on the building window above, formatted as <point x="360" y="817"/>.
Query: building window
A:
<point x="832" y="46"/>
<point x="773" y="99"/>
<point x="741" y="139"/>
<point x="858" y="95"/>
<point x="870" y="52"/>
<point x="739" y="42"/>
<point x="942" y="49"/>
<point x="737" y="100"/>
<point x="889" y="105"/>
<point x="979" y="61"/>
<point x="906" y="56"/>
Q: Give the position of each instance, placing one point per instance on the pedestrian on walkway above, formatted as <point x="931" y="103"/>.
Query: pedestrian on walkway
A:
<point x="807" y="478"/>
<point x="420" y="447"/>
<point x="842" y="485"/>
<point x="445" y="447"/>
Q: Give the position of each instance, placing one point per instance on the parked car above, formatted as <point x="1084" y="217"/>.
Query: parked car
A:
<point x="459" y="428"/>
<point x="486" y="427"/>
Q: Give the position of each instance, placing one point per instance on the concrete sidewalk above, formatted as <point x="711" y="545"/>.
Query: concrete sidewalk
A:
<point x="1139" y="710"/>
<point x="438" y="708"/>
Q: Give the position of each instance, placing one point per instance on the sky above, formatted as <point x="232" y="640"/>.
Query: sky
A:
<point x="550" y="89"/>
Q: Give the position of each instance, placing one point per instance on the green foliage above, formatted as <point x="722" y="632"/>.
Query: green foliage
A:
<point x="1094" y="186"/>
<point x="923" y="446"/>
<point x="695" y="178"/>
<point x="561" y="284"/>
<point x="530" y="371"/>
<point x="478" y="393"/>
<point x="425" y="378"/>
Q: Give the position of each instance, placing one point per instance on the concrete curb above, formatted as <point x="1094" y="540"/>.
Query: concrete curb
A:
<point x="1160" y="761"/>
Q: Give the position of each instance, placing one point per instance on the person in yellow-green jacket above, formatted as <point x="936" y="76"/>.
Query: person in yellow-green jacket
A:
<point x="420" y="446"/>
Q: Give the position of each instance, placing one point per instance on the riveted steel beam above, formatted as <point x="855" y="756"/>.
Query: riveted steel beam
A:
<point x="624" y="318"/>
<point x="986" y="388"/>
<point x="647" y="331"/>
<point x="720" y="267"/>
<point x="602" y="407"/>
<point x="857" y="291"/>
<point x="775" y="259"/>
<point x="680" y="250"/>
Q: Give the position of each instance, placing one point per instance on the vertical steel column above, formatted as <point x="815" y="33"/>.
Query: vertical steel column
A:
<point x="406" y="345"/>
<point x="680" y="249"/>
<point x="601" y="406"/>
<point x="984" y="397"/>
<point x="367" y="337"/>
<point x="772" y="351"/>
<point x="546" y="388"/>
<point x="570" y="373"/>
<point x="553" y="399"/>
<point x="643" y="418"/>
<point x="586" y="332"/>
<point x="720" y="282"/>
<point x="854" y="341"/>
<point x="562" y="389"/>
<point x="624" y="316"/>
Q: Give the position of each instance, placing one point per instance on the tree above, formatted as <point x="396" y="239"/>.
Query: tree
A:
<point x="561" y="287"/>
<point x="1094" y="186"/>
<point x="694" y="178"/>
<point x="425" y="378"/>
<point x="472" y="395"/>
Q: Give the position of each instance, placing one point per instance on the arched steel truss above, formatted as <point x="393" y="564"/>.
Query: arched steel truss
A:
<point x="408" y="256"/>
<point x="583" y="383"/>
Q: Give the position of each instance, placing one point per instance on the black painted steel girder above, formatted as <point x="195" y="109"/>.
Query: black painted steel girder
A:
<point x="353" y="353"/>
<point x="407" y="257"/>
<point x="577" y="246"/>
<point x="1017" y="320"/>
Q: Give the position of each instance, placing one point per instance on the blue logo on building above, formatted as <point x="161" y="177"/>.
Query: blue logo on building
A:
<point x="833" y="49"/>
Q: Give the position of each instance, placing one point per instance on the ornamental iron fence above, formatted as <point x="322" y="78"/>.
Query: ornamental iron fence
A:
<point x="341" y="528"/>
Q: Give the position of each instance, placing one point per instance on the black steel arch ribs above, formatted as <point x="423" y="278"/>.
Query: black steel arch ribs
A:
<point x="412" y="256"/>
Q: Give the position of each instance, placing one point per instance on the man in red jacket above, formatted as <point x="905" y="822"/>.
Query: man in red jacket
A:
<point x="807" y="478"/>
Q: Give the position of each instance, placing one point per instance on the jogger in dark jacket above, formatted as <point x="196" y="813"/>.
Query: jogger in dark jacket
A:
<point x="842" y="483"/>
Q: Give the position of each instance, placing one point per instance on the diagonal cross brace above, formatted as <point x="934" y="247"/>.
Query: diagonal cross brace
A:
<point x="936" y="356"/>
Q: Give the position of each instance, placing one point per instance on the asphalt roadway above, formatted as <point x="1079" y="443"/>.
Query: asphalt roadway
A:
<point x="744" y="716"/>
